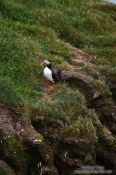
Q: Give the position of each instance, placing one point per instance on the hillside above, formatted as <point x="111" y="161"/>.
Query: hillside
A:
<point x="55" y="133"/>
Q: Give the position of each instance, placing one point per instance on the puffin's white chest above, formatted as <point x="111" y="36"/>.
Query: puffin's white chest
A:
<point x="48" y="74"/>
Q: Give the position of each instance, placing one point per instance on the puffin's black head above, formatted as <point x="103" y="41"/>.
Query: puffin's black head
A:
<point x="47" y="63"/>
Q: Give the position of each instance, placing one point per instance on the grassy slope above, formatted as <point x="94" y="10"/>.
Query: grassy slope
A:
<point x="31" y="31"/>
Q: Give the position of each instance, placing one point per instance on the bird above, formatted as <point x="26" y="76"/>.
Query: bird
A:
<point x="49" y="75"/>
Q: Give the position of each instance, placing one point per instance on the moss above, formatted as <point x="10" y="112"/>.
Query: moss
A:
<point x="16" y="152"/>
<point x="5" y="169"/>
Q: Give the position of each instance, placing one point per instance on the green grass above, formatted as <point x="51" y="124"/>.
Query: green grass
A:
<point x="34" y="30"/>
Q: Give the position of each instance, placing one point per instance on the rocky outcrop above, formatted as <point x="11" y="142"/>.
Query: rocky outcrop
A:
<point x="71" y="152"/>
<point x="45" y="147"/>
<point x="22" y="147"/>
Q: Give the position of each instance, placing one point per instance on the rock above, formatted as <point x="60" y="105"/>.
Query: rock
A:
<point x="107" y="116"/>
<point x="75" y="79"/>
<point x="37" y="142"/>
<point x="69" y="75"/>
<point x="96" y="95"/>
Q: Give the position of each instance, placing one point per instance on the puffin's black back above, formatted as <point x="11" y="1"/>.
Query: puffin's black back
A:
<point x="54" y="77"/>
<point x="49" y="66"/>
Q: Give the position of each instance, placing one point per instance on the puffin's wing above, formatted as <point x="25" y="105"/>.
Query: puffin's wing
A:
<point x="54" y="77"/>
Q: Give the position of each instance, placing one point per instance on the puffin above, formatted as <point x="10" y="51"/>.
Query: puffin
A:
<point x="49" y="74"/>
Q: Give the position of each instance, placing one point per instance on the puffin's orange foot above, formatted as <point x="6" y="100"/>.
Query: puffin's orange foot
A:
<point x="59" y="88"/>
<point x="51" y="88"/>
<point x="46" y="82"/>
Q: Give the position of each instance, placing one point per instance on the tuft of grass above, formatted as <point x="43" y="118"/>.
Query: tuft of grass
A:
<point x="82" y="128"/>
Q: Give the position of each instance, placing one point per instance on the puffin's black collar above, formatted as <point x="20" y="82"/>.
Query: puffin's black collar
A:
<point x="49" y="66"/>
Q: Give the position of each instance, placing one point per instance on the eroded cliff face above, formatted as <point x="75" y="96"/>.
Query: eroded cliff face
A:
<point x="51" y="147"/>
<point x="53" y="151"/>
<point x="21" y="146"/>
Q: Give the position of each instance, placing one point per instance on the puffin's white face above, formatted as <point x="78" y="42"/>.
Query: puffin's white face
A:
<point x="46" y="63"/>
